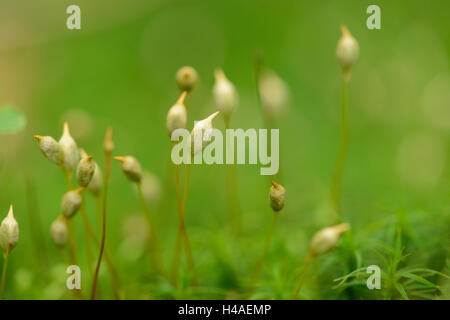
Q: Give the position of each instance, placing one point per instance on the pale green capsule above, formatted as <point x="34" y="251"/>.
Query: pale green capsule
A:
<point x="51" y="149"/>
<point x="131" y="167"/>
<point x="9" y="232"/>
<point x="71" y="202"/>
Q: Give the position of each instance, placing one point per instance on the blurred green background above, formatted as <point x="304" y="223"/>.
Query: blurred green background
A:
<point x="119" y="70"/>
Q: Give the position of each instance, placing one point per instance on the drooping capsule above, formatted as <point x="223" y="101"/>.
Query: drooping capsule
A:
<point x="277" y="195"/>
<point x="59" y="231"/>
<point x="71" y="202"/>
<point x="326" y="239"/>
<point x="51" y="149"/>
<point x="131" y="167"/>
<point x="85" y="171"/>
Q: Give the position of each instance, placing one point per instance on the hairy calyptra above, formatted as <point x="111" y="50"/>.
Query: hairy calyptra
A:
<point x="277" y="195"/>
<point x="71" y="202"/>
<point x="9" y="232"/>
<point x="69" y="148"/>
<point x="59" y="231"/>
<point x="177" y="115"/>
<point x="131" y="167"/>
<point x="51" y="149"/>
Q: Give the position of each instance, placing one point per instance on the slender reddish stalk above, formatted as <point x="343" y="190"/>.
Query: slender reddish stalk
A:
<point x="71" y="240"/>
<point x="263" y="254"/>
<point x="182" y="236"/>
<point x="108" y="148"/>
<point x="302" y="275"/>
<point x="339" y="166"/>
<point x="152" y="240"/>
<point x="71" y="231"/>
<point x="111" y="268"/>
<point x="88" y="243"/>
<point x="234" y="209"/>
<point x="5" y="266"/>
<point x="182" y="229"/>
<point x="176" y="258"/>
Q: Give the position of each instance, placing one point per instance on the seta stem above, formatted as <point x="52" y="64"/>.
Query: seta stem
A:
<point x="152" y="241"/>
<point x="117" y="291"/>
<point x="40" y="248"/>
<point x="338" y="171"/>
<point x="182" y="229"/>
<point x="63" y="255"/>
<point x="111" y="268"/>
<point x="258" y="58"/>
<point x="234" y="209"/>
<point x="182" y="236"/>
<point x="86" y="233"/>
<point x="185" y="189"/>
<point x="263" y="254"/>
<point x="302" y="275"/>
<point x="70" y="226"/>
<point x="5" y="266"/>
<point x="72" y="248"/>
<point x="176" y="257"/>
<point x="98" y="207"/>
<point x="269" y="119"/>
<point x="68" y="175"/>
<point x="177" y="181"/>
<point x="102" y="243"/>
<point x="187" y="247"/>
<point x="72" y="252"/>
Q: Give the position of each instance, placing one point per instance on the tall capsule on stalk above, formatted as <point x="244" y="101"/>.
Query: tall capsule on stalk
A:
<point x="131" y="167"/>
<point x="347" y="50"/>
<point x="225" y="95"/>
<point x="177" y="115"/>
<point x="326" y="239"/>
<point x="274" y="93"/>
<point x="59" y="231"/>
<point x="9" y="232"/>
<point x="277" y="195"/>
<point x="69" y="148"/>
<point x="186" y="78"/>
<point x="51" y="149"/>
<point x="201" y="133"/>
<point x="71" y="202"/>
<point x="85" y="171"/>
